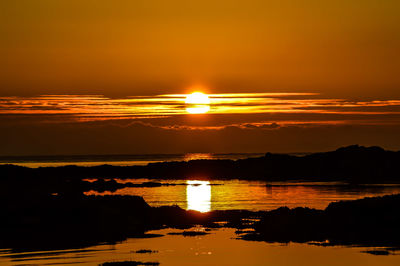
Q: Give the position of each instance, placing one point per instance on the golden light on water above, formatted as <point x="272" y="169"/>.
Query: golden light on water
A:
<point x="198" y="109"/>
<point x="198" y="156"/>
<point x="198" y="103"/>
<point x="198" y="195"/>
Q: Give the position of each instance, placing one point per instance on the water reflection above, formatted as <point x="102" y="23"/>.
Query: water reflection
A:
<point x="211" y="249"/>
<point x="198" y="156"/>
<point x="198" y="195"/>
<point x="198" y="109"/>
<point x="246" y="195"/>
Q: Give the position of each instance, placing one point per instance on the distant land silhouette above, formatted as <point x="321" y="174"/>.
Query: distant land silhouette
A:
<point x="353" y="164"/>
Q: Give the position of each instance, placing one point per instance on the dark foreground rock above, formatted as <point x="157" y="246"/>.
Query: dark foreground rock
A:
<point x="366" y="222"/>
<point x="55" y="222"/>
<point x="47" y="221"/>
<point x="189" y="233"/>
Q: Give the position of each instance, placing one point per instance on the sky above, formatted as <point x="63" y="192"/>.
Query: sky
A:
<point x="112" y="77"/>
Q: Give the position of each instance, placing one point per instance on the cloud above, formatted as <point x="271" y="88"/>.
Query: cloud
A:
<point x="97" y="107"/>
<point x="85" y="124"/>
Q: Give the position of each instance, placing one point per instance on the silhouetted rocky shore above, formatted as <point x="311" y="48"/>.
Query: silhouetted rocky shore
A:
<point x="46" y="208"/>
<point x="353" y="164"/>
<point x="46" y="221"/>
<point x="366" y="222"/>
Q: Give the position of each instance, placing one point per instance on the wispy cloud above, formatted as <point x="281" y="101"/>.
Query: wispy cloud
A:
<point x="98" y="107"/>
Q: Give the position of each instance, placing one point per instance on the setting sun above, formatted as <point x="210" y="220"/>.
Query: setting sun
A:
<point x="200" y="132"/>
<point x="197" y="98"/>
<point x="198" y="103"/>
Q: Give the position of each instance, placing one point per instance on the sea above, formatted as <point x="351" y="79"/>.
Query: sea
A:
<point x="117" y="160"/>
<point x="220" y="246"/>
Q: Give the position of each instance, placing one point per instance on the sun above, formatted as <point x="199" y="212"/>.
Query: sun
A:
<point x="198" y="103"/>
<point x="197" y="98"/>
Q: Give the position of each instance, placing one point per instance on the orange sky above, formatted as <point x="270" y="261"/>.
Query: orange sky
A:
<point x="84" y="77"/>
<point x="345" y="48"/>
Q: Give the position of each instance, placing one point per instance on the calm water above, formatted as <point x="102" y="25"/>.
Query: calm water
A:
<point x="250" y="195"/>
<point x="118" y="160"/>
<point x="218" y="248"/>
<point x="221" y="247"/>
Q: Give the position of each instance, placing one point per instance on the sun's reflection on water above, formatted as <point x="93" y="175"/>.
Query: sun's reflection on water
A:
<point x="198" y="109"/>
<point x="198" y="156"/>
<point x="198" y="195"/>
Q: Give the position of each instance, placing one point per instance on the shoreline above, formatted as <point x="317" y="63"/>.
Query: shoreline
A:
<point x="47" y="207"/>
<point x="352" y="164"/>
<point x="90" y="220"/>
